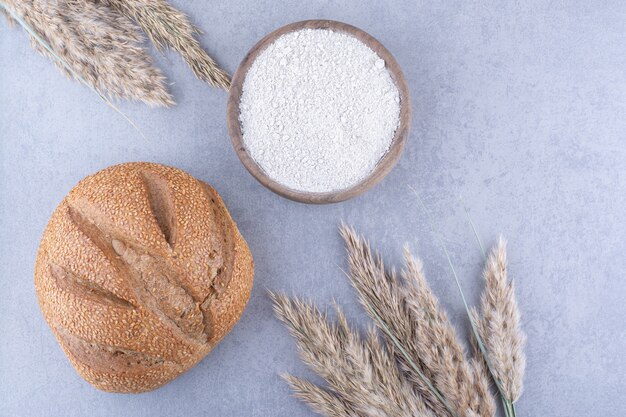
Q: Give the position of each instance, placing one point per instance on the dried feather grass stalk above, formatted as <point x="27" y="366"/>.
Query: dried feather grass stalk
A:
<point x="384" y="300"/>
<point x="421" y="369"/>
<point x="440" y="349"/>
<point x="433" y="340"/>
<point x="361" y="373"/>
<point x="499" y="325"/>
<point x="321" y="400"/>
<point x="101" y="43"/>
<point x="168" y="27"/>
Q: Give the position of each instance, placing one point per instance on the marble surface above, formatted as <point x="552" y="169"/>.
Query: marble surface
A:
<point x="519" y="107"/>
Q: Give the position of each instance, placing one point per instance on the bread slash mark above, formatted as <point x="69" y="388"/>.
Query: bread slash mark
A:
<point x="222" y="275"/>
<point x="162" y="205"/>
<point x="87" y="290"/>
<point x="104" y="358"/>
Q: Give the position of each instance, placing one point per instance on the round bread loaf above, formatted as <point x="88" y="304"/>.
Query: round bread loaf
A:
<point x="140" y="273"/>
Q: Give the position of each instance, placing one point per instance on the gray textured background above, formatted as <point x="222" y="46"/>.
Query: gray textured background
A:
<point x="519" y="108"/>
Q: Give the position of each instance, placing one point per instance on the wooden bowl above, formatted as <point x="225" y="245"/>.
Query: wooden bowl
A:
<point x="386" y="162"/>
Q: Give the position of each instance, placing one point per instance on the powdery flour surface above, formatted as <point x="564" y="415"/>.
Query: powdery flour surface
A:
<point x="318" y="110"/>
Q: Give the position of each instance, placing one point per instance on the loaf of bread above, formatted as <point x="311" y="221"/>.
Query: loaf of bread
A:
<point x="140" y="273"/>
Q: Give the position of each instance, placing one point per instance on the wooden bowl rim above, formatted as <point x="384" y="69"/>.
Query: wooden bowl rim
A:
<point x="384" y="165"/>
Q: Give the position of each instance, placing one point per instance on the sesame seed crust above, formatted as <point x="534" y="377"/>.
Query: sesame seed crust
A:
<point x="141" y="271"/>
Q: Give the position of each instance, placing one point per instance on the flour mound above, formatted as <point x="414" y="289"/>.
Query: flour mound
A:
<point x="318" y="110"/>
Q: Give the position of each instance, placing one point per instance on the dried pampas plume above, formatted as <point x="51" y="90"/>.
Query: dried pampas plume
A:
<point x="415" y="365"/>
<point x="453" y="374"/>
<point x="168" y="27"/>
<point x="101" y="44"/>
<point x="361" y="373"/>
<point x="499" y="325"/>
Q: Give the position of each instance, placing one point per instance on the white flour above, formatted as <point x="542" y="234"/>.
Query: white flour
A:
<point x="318" y="110"/>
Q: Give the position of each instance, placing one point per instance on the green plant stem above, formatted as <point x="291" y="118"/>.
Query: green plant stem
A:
<point x="476" y="236"/>
<point x="505" y="407"/>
